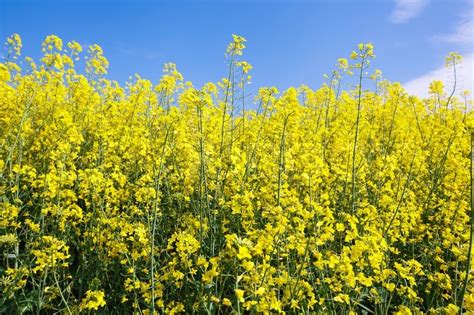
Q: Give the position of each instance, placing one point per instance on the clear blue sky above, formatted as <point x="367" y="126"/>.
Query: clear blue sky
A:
<point x="289" y="42"/>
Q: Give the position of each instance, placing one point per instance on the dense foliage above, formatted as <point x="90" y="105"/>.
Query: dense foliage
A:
<point x="167" y="198"/>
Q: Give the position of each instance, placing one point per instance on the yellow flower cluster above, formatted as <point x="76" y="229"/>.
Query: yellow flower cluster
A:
<point x="93" y="300"/>
<point x="50" y="253"/>
<point x="165" y="198"/>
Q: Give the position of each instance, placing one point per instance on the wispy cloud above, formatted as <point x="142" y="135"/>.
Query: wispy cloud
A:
<point x="464" y="78"/>
<point x="407" y="9"/>
<point x="463" y="31"/>
<point x="461" y="36"/>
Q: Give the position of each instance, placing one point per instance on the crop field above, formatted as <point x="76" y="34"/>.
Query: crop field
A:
<point x="166" y="198"/>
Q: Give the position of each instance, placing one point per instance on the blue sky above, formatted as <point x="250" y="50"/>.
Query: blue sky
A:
<point x="289" y="42"/>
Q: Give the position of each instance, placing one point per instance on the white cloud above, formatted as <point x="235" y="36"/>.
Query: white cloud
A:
<point x="463" y="37"/>
<point x="464" y="33"/>
<point x="407" y="9"/>
<point x="464" y="30"/>
<point x="464" y="78"/>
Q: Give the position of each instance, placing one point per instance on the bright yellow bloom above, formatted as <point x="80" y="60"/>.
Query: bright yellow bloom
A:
<point x="93" y="300"/>
<point x="342" y="298"/>
<point x="244" y="253"/>
<point x="240" y="295"/>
